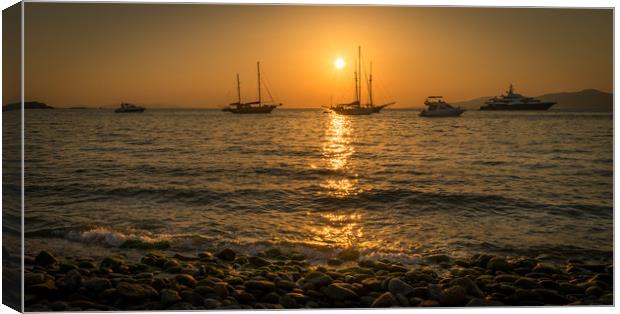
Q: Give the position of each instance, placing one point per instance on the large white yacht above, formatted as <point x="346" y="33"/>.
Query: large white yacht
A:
<point x="514" y="101"/>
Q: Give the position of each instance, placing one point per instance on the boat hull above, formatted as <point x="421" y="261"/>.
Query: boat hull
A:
<point x="536" y="106"/>
<point x="129" y="110"/>
<point x="441" y="114"/>
<point x="377" y="109"/>
<point x="354" y="111"/>
<point x="251" y="110"/>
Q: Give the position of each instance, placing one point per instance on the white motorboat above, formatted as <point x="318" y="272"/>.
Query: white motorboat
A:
<point x="437" y="107"/>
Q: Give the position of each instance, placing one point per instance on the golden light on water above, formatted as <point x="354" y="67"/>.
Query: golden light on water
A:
<point x="338" y="230"/>
<point x="342" y="217"/>
<point x="337" y="148"/>
<point x="339" y="188"/>
<point x="337" y="151"/>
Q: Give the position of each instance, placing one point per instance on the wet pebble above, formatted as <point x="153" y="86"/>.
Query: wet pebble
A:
<point x="227" y="255"/>
<point x="262" y="285"/>
<point x="169" y="296"/>
<point x="471" y="288"/>
<point x="187" y="280"/>
<point x="498" y="264"/>
<point x="135" y="291"/>
<point x="384" y="300"/>
<point x="339" y="291"/>
<point x="453" y="296"/>
<point x="397" y="286"/>
<point x="97" y="284"/>
<point x="45" y="259"/>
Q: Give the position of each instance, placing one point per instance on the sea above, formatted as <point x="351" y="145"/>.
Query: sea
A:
<point x="391" y="185"/>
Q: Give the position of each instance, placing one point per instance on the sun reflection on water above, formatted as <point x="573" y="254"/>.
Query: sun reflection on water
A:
<point x="337" y="152"/>
<point x="337" y="148"/>
<point x="338" y="230"/>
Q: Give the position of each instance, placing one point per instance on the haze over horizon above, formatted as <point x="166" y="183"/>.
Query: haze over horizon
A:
<point x="188" y="55"/>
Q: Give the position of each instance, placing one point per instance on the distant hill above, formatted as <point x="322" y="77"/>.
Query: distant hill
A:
<point x="473" y="104"/>
<point x="27" y="105"/>
<point x="585" y="100"/>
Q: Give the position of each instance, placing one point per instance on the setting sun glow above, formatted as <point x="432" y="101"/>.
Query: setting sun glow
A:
<point x="339" y="63"/>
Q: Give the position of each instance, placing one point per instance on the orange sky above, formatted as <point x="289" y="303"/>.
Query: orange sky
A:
<point x="178" y="55"/>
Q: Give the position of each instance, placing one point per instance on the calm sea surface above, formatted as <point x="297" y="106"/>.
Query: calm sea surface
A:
<point x="389" y="185"/>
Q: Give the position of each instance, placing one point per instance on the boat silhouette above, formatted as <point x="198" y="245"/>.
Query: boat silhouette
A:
<point x="254" y="106"/>
<point x="129" y="108"/>
<point x="514" y="101"/>
<point x="356" y="107"/>
<point x="436" y="106"/>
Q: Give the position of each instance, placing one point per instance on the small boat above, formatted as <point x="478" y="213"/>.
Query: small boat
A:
<point x="251" y="107"/>
<point x="27" y="105"/>
<point x="127" y="108"/>
<point x="437" y="107"/>
<point x="356" y="108"/>
<point x="352" y="109"/>
<point x="514" y="101"/>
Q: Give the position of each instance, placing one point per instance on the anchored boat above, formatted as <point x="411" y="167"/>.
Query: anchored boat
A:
<point x="437" y="107"/>
<point x="129" y="108"/>
<point x="356" y="107"/>
<point x="514" y="101"/>
<point x="251" y="107"/>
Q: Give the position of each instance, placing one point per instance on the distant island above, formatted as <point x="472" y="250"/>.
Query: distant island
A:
<point x="27" y="105"/>
<point x="585" y="100"/>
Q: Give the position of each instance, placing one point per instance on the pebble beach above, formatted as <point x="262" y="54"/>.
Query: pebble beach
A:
<point x="275" y="280"/>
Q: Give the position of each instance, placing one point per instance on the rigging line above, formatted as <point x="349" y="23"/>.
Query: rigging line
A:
<point x="360" y="74"/>
<point x="386" y="91"/>
<point x="367" y="83"/>
<point x="276" y="98"/>
<point x="266" y="84"/>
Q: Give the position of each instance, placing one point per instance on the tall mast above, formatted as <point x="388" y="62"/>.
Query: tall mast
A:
<point x="258" y="67"/>
<point x="357" y="95"/>
<point x="370" y="85"/>
<point x="359" y="66"/>
<point x="238" y="90"/>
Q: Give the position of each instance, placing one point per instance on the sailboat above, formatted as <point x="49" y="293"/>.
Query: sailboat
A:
<point x="251" y="107"/>
<point x="356" y="107"/>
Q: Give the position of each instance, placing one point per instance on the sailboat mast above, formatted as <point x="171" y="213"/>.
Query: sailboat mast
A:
<point x="359" y="67"/>
<point x="370" y="85"/>
<point x="357" y="94"/>
<point x="238" y="90"/>
<point x="258" y="71"/>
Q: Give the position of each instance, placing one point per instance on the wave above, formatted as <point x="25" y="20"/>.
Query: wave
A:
<point x="140" y="240"/>
<point x="315" y="198"/>
<point x="468" y="202"/>
<point x="300" y="174"/>
<point x="104" y="236"/>
<point x="491" y="162"/>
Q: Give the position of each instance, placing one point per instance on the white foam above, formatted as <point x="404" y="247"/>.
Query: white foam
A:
<point x="110" y="237"/>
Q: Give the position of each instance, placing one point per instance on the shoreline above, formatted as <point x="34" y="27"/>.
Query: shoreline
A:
<point x="274" y="280"/>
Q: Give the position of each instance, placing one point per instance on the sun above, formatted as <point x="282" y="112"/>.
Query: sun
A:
<point x="339" y="63"/>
